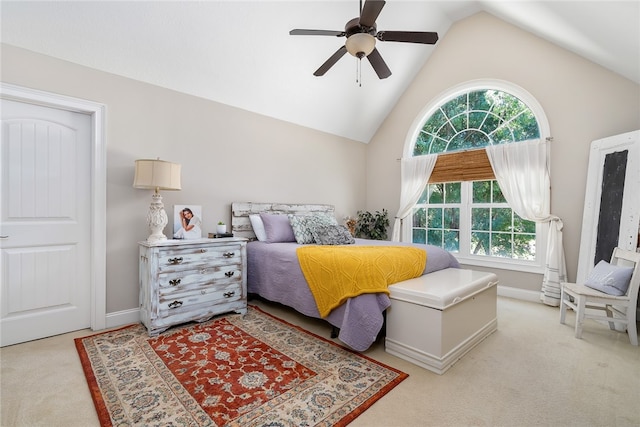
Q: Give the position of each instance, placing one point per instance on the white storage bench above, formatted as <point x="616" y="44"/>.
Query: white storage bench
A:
<point x="437" y="318"/>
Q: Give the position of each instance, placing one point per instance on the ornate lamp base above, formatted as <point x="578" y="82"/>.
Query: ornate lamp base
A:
<point x="157" y="219"/>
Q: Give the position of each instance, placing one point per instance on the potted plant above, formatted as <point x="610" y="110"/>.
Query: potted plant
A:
<point x="372" y="225"/>
<point x="221" y="228"/>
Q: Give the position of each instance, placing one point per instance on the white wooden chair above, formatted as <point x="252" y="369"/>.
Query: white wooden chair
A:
<point x="619" y="309"/>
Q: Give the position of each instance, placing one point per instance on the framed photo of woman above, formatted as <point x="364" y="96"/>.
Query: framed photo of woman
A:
<point x="187" y="222"/>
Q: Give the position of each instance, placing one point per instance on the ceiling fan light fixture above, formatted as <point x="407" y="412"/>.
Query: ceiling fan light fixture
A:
<point x="360" y="44"/>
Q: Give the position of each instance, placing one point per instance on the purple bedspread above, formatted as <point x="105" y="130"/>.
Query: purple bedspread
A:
<point x="274" y="273"/>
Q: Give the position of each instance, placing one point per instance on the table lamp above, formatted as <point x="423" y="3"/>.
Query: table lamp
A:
<point x="157" y="175"/>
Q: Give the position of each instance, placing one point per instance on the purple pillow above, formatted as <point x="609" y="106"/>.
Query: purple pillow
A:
<point x="278" y="228"/>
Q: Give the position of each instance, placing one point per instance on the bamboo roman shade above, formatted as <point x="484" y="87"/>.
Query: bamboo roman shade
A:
<point x="471" y="165"/>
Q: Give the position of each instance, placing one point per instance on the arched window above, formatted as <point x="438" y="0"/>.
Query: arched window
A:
<point x="476" y="119"/>
<point x="462" y="208"/>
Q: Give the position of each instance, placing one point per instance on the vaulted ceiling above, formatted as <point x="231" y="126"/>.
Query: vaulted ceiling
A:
<point x="240" y="53"/>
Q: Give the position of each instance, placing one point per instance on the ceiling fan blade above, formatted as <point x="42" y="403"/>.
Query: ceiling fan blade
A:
<point x="408" y="36"/>
<point x="299" y="32"/>
<point x="378" y="64"/>
<point x="331" y="61"/>
<point x="370" y="12"/>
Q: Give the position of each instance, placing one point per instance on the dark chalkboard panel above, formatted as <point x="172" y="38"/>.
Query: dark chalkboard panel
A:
<point x="613" y="175"/>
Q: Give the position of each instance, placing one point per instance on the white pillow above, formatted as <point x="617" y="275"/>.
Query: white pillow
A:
<point x="610" y="279"/>
<point x="258" y="227"/>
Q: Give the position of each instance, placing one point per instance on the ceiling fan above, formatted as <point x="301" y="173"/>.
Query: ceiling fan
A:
<point x="361" y="34"/>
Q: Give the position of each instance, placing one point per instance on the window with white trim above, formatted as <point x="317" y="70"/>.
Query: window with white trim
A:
<point x="462" y="208"/>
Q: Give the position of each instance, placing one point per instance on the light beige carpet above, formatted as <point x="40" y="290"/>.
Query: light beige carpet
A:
<point x="531" y="372"/>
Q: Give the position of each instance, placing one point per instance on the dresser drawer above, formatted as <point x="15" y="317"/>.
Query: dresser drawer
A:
<point x="173" y="259"/>
<point x="177" y="303"/>
<point x="188" y="279"/>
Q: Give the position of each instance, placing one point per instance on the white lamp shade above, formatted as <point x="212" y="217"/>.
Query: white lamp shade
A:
<point x="360" y="42"/>
<point x="157" y="174"/>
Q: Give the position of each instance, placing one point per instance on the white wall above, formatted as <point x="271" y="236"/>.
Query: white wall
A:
<point x="582" y="101"/>
<point x="233" y="155"/>
<point x="227" y="155"/>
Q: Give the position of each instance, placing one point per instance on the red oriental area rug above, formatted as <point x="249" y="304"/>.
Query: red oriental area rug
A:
<point x="255" y="370"/>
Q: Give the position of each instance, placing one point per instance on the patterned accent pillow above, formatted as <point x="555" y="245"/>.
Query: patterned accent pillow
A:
<point x="300" y="229"/>
<point x="324" y="219"/>
<point x="303" y="225"/>
<point x="332" y="235"/>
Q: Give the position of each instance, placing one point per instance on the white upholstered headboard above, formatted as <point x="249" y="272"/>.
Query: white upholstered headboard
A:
<point x="240" y="211"/>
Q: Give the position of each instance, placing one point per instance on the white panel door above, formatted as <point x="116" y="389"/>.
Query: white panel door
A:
<point x="45" y="222"/>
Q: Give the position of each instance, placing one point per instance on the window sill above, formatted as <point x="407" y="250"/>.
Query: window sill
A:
<point x="523" y="266"/>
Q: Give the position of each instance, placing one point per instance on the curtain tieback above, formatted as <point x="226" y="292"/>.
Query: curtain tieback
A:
<point x="557" y="221"/>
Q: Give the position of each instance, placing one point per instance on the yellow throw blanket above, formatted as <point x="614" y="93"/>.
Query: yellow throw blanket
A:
<point x="336" y="273"/>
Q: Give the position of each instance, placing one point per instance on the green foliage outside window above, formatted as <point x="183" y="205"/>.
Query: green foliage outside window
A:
<point x="474" y="120"/>
<point x="439" y="224"/>
<point x="495" y="229"/>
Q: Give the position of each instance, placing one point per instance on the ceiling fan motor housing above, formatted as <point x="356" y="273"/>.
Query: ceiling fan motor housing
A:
<point x="353" y="27"/>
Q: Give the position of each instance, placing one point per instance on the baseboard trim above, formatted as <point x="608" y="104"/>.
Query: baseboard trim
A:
<point x="523" y="294"/>
<point x="534" y="296"/>
<point x="122" y="318"/>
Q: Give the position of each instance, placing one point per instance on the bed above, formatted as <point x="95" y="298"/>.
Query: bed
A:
<point x="274" y="273"/>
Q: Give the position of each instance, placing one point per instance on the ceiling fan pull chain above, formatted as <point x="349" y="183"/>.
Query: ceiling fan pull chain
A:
<point x="359" y="72"/>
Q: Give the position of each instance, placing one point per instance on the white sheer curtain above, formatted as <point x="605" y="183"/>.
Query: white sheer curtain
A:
<point x="414" y="172"/>
<point x="522" y="172"/>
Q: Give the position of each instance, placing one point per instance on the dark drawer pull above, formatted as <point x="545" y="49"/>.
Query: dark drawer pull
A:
<point x="228" y="294"/>
<point x="229" y="273"/>
<point x="175" y="282"/>
<point x="228" y="254"/>
<point x="175" y="304"/>
<point x="174" y="261"/>
<point x="203" y="250"/>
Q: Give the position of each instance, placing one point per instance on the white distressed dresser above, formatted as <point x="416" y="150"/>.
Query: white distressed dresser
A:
<point x="191" y="280"/>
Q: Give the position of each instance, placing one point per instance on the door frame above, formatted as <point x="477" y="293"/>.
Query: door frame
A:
<point x="97" y="111"/>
